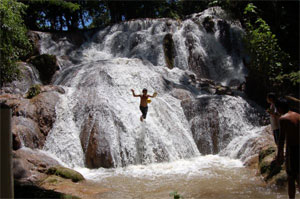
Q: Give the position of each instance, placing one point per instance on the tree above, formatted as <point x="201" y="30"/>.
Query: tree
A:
<point x="270" y="65"/>
<point x="52" y="15"/>
<point x="14" y="42"/>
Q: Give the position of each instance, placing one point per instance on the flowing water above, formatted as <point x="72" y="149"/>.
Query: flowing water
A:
<point x="203" y="177"/>
<point x="196" y="148"/>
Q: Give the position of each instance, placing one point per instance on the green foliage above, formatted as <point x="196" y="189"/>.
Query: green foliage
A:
<point x="269" y="65"/>
<point x="293" y="77"/>
<point x="175" y="195"/>
<point x="14" y="42"/>
<point x="33" y="91"/>
<point x="52" y="14"/>
<point x="250" y="9"/>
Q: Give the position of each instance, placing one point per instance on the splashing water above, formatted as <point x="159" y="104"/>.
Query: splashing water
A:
<point x="98" y="114"/>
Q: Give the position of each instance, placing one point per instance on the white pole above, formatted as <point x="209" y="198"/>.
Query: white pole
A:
<point x="6" y="186"/>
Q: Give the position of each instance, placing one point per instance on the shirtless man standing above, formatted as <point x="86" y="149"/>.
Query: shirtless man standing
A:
<point x="143" y="103"/>
<point x="289" y="134"/>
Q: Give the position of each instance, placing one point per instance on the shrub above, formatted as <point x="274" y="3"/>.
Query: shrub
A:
<point x="270" y="68"/>
<point x="13" y="40"/>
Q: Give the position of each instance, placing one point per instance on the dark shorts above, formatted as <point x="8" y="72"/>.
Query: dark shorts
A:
<point x="292" y="160"/>
<point x="144" y="111"/>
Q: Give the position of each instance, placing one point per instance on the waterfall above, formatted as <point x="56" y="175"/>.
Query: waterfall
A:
<point x="97" y="122"/>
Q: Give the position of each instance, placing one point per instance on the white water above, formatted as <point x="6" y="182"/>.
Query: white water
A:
<point x="130" y="56"/>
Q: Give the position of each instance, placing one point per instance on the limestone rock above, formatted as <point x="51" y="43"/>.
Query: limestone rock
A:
<point x="181" y="94"/>
<point x="223" y="90"/>
<point x="27" y="130"/>
<point x="27" y="164"/>
<point x="34" y="38"/>
<point x="45" y="110"/>
<point x="32" y="118"/>
<point x="209" y="24"/>
<point x="271" y="172"/>
<point x="40" y="109"/>
<point x="95" y="145"/>
<point x="20" y="86"/>
<point x="169" y="50"/>
<point x="47" y="65"/>
<point x="32" y="178"/>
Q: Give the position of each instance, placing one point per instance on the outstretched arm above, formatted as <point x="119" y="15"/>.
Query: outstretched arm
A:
<point x="134" y="95"/>
<point x="154" y="94"/>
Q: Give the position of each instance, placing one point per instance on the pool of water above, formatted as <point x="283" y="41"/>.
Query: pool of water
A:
<point x="209" y="176"/>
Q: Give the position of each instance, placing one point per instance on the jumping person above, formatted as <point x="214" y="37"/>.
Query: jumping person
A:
<point x="289" y="134"/>
<point x="144" y="102"/>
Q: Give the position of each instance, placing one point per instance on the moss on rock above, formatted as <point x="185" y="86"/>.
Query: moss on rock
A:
<point x="66" y="173"/>
<point x="265" y="152"/>
<point x="46" y="65"/>
<point x="272" y="173"/>
<point x="169" y="50"/>
<point x="33" y="91"/>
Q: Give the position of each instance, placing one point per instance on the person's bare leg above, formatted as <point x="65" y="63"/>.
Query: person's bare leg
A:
<point x="291" y="187"/>
<point x="141" y="118"/>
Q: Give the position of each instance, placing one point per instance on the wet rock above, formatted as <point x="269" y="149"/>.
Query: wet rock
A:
<point x="209" y="24"/>
<point x="207" y="138"/>
<point x="58" y="89"/>
<point x="234" y="83"/>
<point x="26" y="164"/>
<point x="47" y="65"/>
<point x="98" y="151"/>
<point x="195" y="59"/>
<point x="206" y="85"/>
<point x="255" y="145"/>
<point x="95" y="146"/>
<point x="169" y="50"/>
<point x="16" y="141"/>
<point x="225" y="37"/>
<point x="272" y="173"/>
<point x="262" y="157"/>
<point x="28" y="131"/>
<point x="31" y="177"/>
<point x="65" y="173"/>
<point x="20" y="86"/>
<point x="69" y="189"/>
<point x="77" y="38"/>
<point x="223" y="90"/>
<point x="45" y="110"/>
<point x="32" y="118"/>
<point x="40" y="109"/>
<point x="181" y="94"/>
<point x="205" y="82"/>
<point x="34" y="38"/>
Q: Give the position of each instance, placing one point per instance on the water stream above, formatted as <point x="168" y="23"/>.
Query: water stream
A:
<point x="196" y="149"/>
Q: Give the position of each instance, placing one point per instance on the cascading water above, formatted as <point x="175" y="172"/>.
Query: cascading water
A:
<point x="98" y="118"/>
